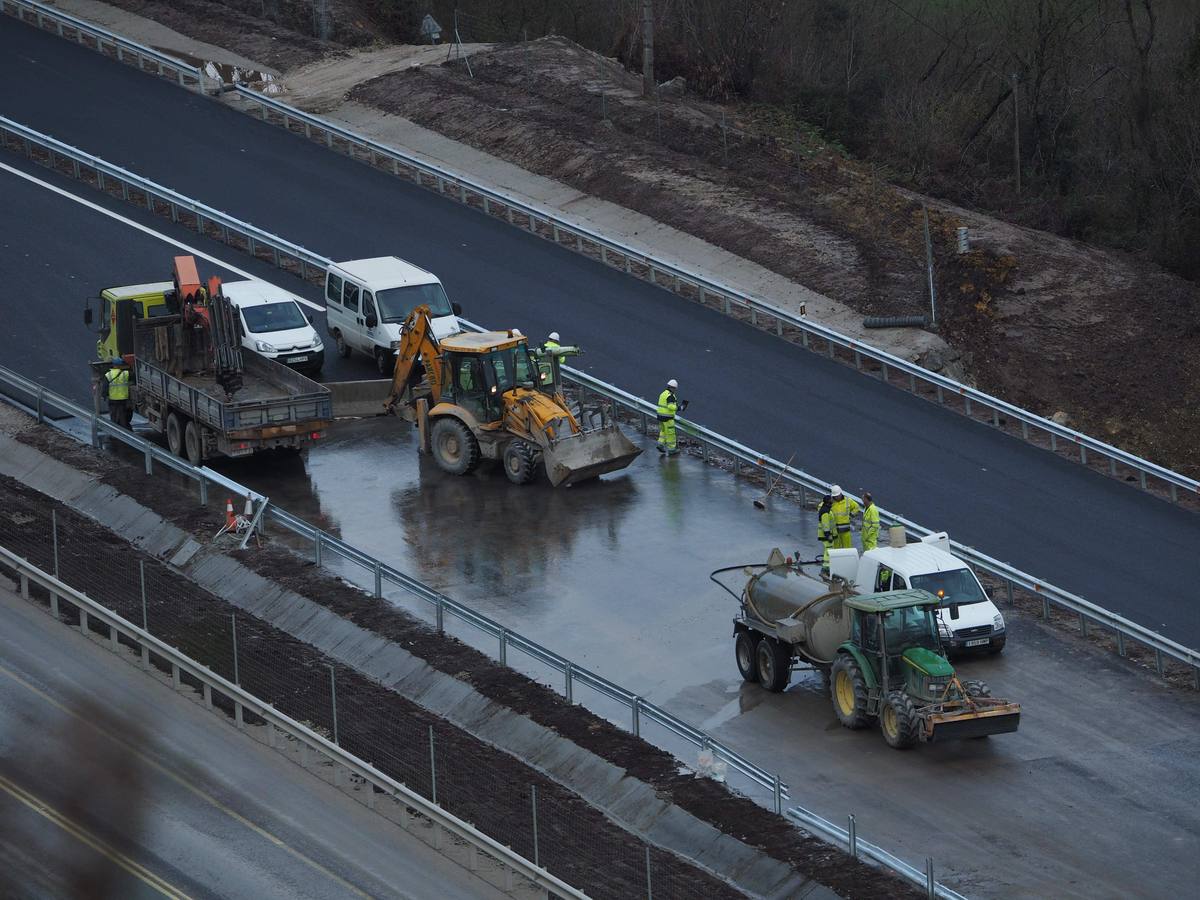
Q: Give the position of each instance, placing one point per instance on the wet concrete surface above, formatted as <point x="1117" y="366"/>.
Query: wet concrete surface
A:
<point x="1095" y="796"/>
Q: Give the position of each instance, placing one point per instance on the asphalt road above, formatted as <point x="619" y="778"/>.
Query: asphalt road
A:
<point x="1084" y="532"/>
<point x="110" y="779"/>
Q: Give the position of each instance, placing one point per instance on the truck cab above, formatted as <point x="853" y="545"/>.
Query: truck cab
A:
<point x="137" y="301"/>
<point x="967" y="618"/>
<point x="368" y="300"/>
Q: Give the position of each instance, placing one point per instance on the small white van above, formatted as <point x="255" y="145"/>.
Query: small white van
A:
<point x="273" y="325"/>
<point x="367" y="300"/>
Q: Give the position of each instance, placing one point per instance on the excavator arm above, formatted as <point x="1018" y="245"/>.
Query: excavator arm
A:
<point x="417" y="343"/>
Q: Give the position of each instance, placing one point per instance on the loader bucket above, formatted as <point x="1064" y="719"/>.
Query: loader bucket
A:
<point x="587" y="455"/>
<point x="959" y="725"/>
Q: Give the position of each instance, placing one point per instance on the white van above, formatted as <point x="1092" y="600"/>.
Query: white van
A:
<point x="367" y="300"/>
<point x="273" y="325"/>
<point x="968" y="620"/>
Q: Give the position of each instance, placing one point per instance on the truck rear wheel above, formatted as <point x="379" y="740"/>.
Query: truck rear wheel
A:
<point x="174" y="435"/>
<point x="745" y="650"/>
<point x="898" y="721"/>
<point x="848" y="690"/>
<point x="774" y="664"/>
<point x="519" y="462"/>
<point x="454" y="447"/>
<point x="193" y="444"/>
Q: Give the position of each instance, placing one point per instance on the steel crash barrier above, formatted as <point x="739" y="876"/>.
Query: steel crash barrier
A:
<point x="300" y="260"/>
<point x="279" y="725"/>
<point x="757" y="310"/>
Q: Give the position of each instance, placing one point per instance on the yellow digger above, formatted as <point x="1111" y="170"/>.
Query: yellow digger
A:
<point x="485" y="396"/>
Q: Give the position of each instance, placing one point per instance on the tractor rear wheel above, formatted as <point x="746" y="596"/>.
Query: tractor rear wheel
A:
<point x="454" y="447"/>
<point x="192" y="443"/>
<point x="898" y="721"/>
<point x="977" y="688"/>
<point x="848" y="689"/>
<point x="745" y="649"/>
<point x="519" y="462"/>
<point x="774" y="664"/>
<point x="174" y="435"/>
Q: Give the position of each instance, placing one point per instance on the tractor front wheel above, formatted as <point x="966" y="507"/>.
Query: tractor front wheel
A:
<point x="454" y="447"/>
<point x="745" y="649"/>
<point x="898" y="721"/>
<point x="774" y="664"/>
<point x="519" y="462"/>
<point x="848" y="689"/>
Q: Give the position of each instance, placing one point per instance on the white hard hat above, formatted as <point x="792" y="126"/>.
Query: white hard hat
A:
<point x="835" y="491"/>
<point x="553" y="336"/>
<point x="672" y="383"/>
<point x="516" y="332"/>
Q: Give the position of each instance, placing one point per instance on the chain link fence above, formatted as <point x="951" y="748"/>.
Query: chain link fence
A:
<point x="498" y="794"/>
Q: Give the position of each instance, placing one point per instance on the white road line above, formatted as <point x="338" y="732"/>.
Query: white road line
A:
<point x="144" y="229"/>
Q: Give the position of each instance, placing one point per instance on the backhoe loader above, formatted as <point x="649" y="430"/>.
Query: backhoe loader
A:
<point x="484" y="396"/>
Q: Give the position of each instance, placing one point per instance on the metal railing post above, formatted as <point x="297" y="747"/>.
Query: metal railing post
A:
<point x="852" y="837"/>
<point x="930" y="884"/>
<point x="649" y="885"/>
<point x="533" y="803"/>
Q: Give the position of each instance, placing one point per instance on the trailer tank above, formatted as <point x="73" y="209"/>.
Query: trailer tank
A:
<point x="800" y="609"/>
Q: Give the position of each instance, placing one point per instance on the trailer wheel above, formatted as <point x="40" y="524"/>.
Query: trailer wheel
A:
<point x="774" y="664"/>
<point x="454" y="447"/>
<point x="977" y="688"/>
<point x="745" y="650"/>
<point x="193" y="444"/>
<point x="898" y="721"/>
<point x="343" y="349"/>
<point x="518" y="462"/>
<point x="848" y="690"/>
<point x="174" y="435"/>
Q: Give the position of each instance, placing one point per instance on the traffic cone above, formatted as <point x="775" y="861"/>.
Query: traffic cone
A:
<point x="230" y="521"/>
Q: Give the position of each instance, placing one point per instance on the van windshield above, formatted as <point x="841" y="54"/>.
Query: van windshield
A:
<point x="274" y="317"/>
<point x="396" y="303"/>
<point x="958" y="586"/>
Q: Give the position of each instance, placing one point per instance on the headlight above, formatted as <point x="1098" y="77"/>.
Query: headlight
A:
<point x="264" y="347"/>
<point x="317" y="345"/>
<point x="997" y="622"/>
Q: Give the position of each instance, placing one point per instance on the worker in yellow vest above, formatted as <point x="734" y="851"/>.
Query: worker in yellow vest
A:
<point x="826" y="529"/>
<point x="668" y="405"/>
<point x="118" y="393"/>
<point x="843" y="509"/>
<point x="870" y="523"/>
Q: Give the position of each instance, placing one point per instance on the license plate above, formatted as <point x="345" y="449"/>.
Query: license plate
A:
<point x="293" y="359"/>
<point x="978" y="642"/>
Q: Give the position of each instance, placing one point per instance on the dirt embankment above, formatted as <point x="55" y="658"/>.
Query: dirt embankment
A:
<point x="708" y="800"/>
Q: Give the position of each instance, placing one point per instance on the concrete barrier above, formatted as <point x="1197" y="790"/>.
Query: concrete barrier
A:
<point x="359" y="398"/>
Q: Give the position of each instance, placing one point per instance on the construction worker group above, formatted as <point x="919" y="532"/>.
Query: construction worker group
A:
<point x="833" y="522"/>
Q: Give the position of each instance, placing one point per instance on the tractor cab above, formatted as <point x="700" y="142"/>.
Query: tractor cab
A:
<point x="897" y="633"/>
<point x="481" y="368"/>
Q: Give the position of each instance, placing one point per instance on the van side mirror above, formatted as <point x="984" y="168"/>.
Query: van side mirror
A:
<point x="456" y="308"/>
<point x="372" y="321"/>
<point x="87" y="315"/>
<point x="954" y="610"/>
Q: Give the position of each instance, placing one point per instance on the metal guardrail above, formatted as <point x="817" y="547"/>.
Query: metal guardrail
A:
<point x="276" y="721"/>
<point x="39" y="14"/>
<point x="295" y="258"/>
<point x="676" y="278"/>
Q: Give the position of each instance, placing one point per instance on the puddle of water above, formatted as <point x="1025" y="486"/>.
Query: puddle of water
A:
<point x="228" y="73"/>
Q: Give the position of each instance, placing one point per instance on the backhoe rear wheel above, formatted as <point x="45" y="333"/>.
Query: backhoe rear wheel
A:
<point x="774" y="664"/>
<point x="454" y="447"/>
<point x="174" y="435"/>
<point x="519" y="462"/>
<point x="848" y="689"/>
<point x="745" y="650"/>
<point x="898" y="721"/>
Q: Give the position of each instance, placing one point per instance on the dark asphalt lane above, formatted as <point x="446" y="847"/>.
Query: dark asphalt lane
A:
<point x="1086" y="533"/>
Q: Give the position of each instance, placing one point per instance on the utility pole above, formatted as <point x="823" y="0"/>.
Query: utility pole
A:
<point x="649" y="88"/>
<point x="1016" y="134"/>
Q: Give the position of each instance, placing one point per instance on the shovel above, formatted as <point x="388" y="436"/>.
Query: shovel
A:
<point x="761" y="502"/>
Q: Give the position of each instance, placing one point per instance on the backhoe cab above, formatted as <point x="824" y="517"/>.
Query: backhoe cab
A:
<point x="892" y="670"/>
<point x="487" y="396"/>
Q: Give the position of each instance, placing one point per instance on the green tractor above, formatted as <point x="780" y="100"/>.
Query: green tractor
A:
<point x="892" y="670"/>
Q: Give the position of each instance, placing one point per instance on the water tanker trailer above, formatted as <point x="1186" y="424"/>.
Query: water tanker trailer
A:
<point x="880" y="654"/>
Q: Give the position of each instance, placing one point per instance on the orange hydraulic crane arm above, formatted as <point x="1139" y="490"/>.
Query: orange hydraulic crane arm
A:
<point x="416" y="343"/>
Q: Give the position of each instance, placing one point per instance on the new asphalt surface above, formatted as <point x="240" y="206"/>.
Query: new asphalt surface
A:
<point x="1097" y="537"/>
<point x="113" y="785"/>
